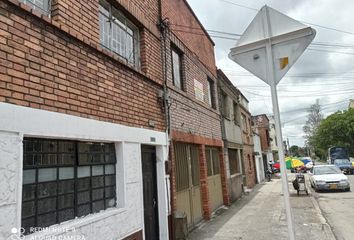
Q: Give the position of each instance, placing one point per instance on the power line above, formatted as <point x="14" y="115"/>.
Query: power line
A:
<point x="313" y="24"/>
<point x="236" y="38"/>
<point x="250" y="8"/>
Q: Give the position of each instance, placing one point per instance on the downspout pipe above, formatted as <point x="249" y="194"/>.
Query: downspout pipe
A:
<point x="163" y="27"/>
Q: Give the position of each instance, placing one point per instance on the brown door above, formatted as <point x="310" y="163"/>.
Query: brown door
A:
<point x="150" y="193"/>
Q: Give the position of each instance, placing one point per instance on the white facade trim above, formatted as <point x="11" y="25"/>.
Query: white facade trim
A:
<point x="20" y="122"/>
<point x="38" y="123"/>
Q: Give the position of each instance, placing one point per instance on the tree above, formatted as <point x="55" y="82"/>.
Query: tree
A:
<point x="336" y="130"/>
<point x="314" y="119"/>
<point x="297" y="151"/>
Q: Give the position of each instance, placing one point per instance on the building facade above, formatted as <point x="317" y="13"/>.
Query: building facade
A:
<point x="274" y="144"/>
<point x="261" y="122"/>
<point x="82" y="125"/>
<point x="198" y="182"/>
<point x="229" y="101"/>
<point x="261" y="164"/>
<point x="249" y="164"/>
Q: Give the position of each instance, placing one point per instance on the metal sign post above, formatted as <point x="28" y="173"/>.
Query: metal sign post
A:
<point x="268" y="48"/>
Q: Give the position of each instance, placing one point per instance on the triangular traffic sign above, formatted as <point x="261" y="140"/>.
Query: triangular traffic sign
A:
<point x="286" y="37"/>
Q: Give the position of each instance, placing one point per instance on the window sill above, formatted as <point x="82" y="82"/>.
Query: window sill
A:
<point x="76" y="223"/>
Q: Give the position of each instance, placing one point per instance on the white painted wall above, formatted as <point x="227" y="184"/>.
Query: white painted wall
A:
<point x="259" y="158"/>
<point x="128" y="217"/>
<point x="232" y="131"/>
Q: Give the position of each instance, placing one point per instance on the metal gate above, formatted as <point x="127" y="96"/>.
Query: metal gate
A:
<point x="214" y="178"/>
<point x="188" y="182"/>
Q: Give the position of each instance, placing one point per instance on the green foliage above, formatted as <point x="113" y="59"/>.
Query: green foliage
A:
<point x="298" y="151"/>
<point x="336" y="130"/>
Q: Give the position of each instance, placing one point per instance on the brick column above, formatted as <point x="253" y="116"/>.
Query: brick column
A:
<point x="204" y="183"/>
<point x="225" y="190"/>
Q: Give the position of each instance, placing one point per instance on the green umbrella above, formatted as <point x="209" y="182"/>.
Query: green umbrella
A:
<point x="288" y="164"/>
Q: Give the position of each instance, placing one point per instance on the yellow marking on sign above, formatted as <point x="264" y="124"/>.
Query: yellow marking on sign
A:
<point x="283" y="62"/>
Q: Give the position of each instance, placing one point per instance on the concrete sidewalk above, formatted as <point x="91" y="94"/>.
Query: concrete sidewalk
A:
<point x="261" y="215"/>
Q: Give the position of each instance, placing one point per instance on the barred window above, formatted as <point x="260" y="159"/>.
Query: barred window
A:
<point x="213" y="161"/>
<point x="118" y="34"/>
<point x="43" y="6"/>
<point x="66" y="179"/>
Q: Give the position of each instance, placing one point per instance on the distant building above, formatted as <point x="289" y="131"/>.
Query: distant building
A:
<point x="274" y="144"/>
<point x="261" y="163"/>
<point x="261" y="122"/>
<point x="249" y="166"/>
<point x="229" y="97"/>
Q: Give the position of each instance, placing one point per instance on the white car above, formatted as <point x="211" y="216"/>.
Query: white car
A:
<point x="328" y="177"/>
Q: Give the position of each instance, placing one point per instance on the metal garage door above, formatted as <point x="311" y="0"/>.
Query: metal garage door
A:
<point x="188" y="182"/>
<point x="214" y="178"/>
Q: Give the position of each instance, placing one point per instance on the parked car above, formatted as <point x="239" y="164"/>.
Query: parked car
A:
<point x="328" y="177"/>
<point x="352" y="161"/>
<point x="344" y="165"/>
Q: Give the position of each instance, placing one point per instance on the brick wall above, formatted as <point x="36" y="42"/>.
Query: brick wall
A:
<point x="189" y="114"/>
<point x="249" y="166"/>
<point x="81" y="16"/>
<point x="264" y="142"/>
<point x="188" y="29"/>
<point x="45" y="65"/>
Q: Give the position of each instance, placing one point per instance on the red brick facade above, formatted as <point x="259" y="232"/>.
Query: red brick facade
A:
<point x="186" y="27"/>
<point x="262" y="123"/>
<point x="193" y="121"/>
<point x="45" y="63"/>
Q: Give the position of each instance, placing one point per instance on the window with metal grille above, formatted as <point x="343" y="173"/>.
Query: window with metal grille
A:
<point x="118" y="34"/>
<point x="187" y="166"/>
<point x="213" y="161"/>
<point x="182" y="167"/>
<point x="66" y="179"/>
<point x="43" y="6"/>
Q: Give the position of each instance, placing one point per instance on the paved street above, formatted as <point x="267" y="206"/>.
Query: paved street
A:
<point x="338" y="208"/>
<point x="260" y="215"/>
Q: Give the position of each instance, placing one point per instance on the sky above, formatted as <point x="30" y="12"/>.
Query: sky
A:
<point x="325" y="71"/>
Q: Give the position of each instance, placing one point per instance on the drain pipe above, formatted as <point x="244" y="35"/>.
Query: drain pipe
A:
<point x="164" y="31"/>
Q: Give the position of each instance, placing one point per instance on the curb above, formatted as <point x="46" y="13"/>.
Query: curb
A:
<point x="325" y="226"/>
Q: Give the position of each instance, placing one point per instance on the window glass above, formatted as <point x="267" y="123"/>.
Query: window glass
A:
<point x="176" y="69"/>
<point x="117" y="33"/>
<point x="66" y="173"/>
<point x="65" y="179"/>
<point x="211" y="98"/>
<point x="83" y="172"/>
<point x="40" y="5"/>
<point x="29" y="176"/>
<point x="233" y="161"/>
<point x="47" y="174"/>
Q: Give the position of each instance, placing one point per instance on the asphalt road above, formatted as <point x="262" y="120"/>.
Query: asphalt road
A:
<point x="338" y="209"/>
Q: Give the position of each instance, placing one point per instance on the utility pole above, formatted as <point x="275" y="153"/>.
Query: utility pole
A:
<point x="268" y="48"/>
